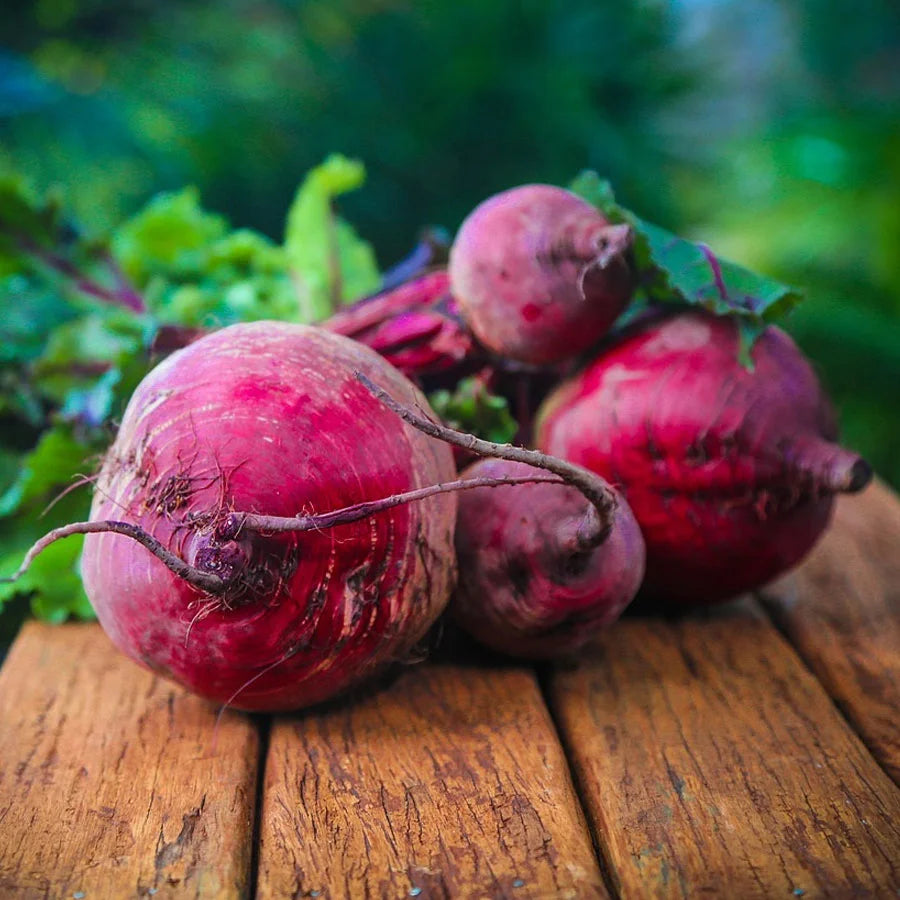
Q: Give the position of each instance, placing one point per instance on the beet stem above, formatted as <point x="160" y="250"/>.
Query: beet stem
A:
<point x="203" y="581"/>
<point x="596" y="527"/>
<point x="238" y="522"/>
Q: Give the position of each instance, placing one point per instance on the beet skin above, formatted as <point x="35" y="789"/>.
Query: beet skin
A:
<point x="268" y="418"/>
<point x="730" y="472"/>
<point x="530" y="584"/>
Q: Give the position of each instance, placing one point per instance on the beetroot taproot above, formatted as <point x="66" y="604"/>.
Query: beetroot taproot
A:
<point x="535" y="580"/>
<point x="268" y="419"/>
<point x="730" y="470"/>
<point x="539" y="273"/>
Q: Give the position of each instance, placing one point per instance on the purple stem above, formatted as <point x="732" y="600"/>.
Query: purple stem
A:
<point x="716" y="270"/>
<point x="238" y="522"/>
<point x="124" y="294"/>
<point x="210" y="583"/>
<point x="598" y="522"/>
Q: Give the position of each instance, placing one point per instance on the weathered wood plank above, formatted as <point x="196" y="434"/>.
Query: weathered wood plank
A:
<point x="841" y="610"/>
<point x="110" y="782"/>
<point x="451" y="783"/>
<point x="713" y="763"/>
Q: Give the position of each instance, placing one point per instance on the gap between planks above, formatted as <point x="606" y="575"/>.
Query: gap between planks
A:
<point x="110" y="785"/>
<point x="841" y="611"/>
<point x="710" y="759"/>
<point x="449" y="783"/>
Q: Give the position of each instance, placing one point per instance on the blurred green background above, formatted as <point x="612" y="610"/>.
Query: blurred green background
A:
<point x="769" y="129"/>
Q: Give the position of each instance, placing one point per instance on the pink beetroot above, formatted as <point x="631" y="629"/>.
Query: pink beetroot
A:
<point x="730" y="471"/>
<point x="245" y="429"/>
<point x="535" y="580"/>
<point x="539" y="273"/>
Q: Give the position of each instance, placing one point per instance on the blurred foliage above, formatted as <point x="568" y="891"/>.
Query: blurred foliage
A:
<point x="445" y="102"/>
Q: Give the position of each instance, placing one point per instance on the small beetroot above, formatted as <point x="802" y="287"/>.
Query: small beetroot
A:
<point x="543" y="567"/>
<point x="539" y="273"/>
<point x="730" y="471"/>
<point x="535" y="580"/>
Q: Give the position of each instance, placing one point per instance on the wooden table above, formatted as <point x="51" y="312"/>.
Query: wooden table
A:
<point x="750" y="751"/>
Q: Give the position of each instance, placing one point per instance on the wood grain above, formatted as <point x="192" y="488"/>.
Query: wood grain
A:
<point x="841" y="610"/>
<point x="112" y="782"/>
<point x="451" y="783"/>
<point x="712" y="763"/>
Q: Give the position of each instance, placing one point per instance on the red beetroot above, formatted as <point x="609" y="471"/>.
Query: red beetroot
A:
<point x="269" y="418"/>
<point x="539" y="273"/>
<point x="730" y="472"/>
<point x="544" y="567"/>
<point x="533" y="580"/>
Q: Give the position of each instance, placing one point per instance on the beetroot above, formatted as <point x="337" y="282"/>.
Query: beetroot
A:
<point x="539" y="273"/>
<point x="544" y="567"/>
<point x="268" y="418"/>
<point x="730" y="471"/>
<point x="533" y="581"/>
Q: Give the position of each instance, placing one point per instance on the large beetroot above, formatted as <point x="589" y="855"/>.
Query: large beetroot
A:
<point x="729" y="470"/>
<point x="269" y="419"/>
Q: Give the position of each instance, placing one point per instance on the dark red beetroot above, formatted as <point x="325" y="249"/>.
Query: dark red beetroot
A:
<point x="544" y="567"/>
<point x="269" y="418"/>
<point x="533" y="582"/>
<point x="730" y="473"/>
<point x="540" y="274"/>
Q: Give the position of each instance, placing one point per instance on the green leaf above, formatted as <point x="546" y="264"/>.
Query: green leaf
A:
<point x="196" y="273"/>
<point x="166" y="234"/>
<point x="57" y="457"/>
<point x="25" y="221"/>
<point x="473" y="409"/>
<point x="35" y="239"/>
<point x="80" y="368"/>
<point x="53" y="581"/>
<point x="674" y="270"/>
<point x="31" y="310"/>
<point x="330" y="263"/>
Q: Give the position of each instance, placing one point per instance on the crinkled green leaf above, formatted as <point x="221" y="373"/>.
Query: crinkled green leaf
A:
<point x="473" y="409"/>
<point x="57" y="457"/>
<point x="166" y="234"/>
<point x="674" y="270"/>
<point x="330" y="263"/>
<point x="209" y="277"/>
